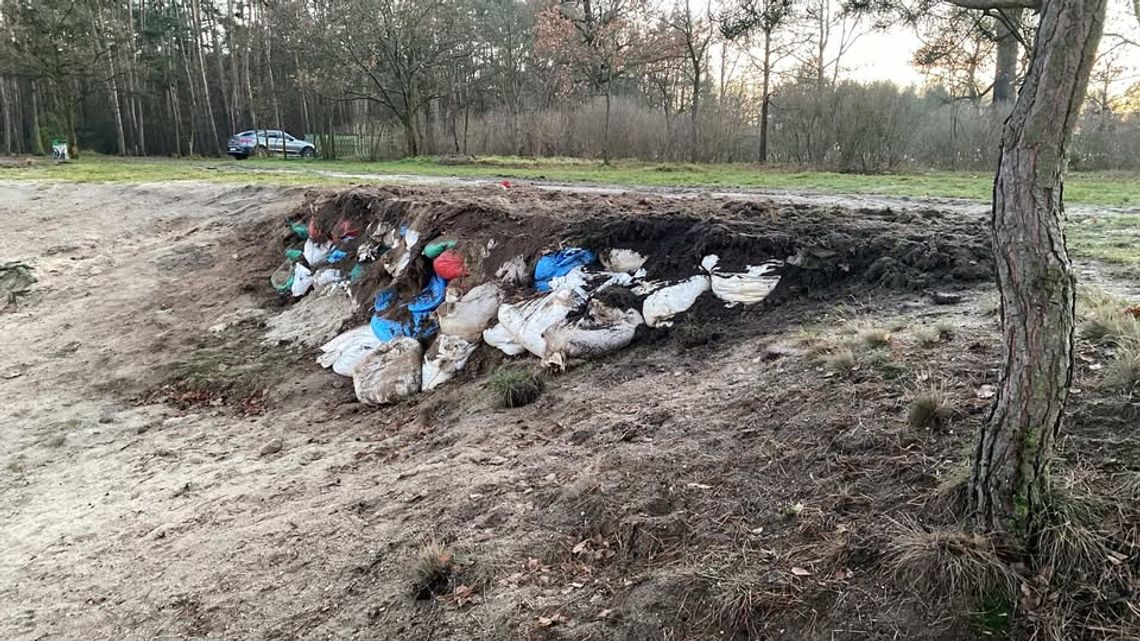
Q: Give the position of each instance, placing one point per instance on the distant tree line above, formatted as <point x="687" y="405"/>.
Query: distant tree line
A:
<point x="678" y="80"/>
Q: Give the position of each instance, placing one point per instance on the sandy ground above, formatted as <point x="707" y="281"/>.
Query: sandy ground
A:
<point x="126" y="519"/>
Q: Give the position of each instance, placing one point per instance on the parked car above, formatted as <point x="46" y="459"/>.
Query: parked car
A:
<point x="264" y="142"/>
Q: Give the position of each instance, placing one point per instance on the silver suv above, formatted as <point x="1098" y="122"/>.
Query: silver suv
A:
<point x="263" y="142"/>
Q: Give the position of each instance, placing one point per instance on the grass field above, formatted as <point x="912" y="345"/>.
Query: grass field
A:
<point x="1092" y="188"/>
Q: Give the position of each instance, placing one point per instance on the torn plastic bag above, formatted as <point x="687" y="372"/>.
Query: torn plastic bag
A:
<point x="389" y="372"/>
<point x="622" y="260"/>
<point x="402" y="253"/>
<point x="601" y="330"/>
<point x="444" y="359"/>
<point x="294" y="255"/>
<point x="301" y="230"/>
<point x="324" y="277"/>
<point x="421" y="324"/>
<point x="500" y="337"/>
<point x="316" y="253"/>
<point x="302" y="280"/>
<point x="559" y="264"/>
<point x="336" y="254"/>
<point x="384" y="299"/>
<point x="471" y="314"/>
<point x="513" y="272"/>
<point x="750" y="286"/>
<point x="282" y="277"/>
<point x="345" y="351"/>
<point x="665" y="303"/>
<point x="528" y="320"/>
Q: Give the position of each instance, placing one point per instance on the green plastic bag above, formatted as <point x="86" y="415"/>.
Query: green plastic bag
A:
<point x="301" y="229"/>
<point x="293" y="255"/>
<point x="435" y="249"/>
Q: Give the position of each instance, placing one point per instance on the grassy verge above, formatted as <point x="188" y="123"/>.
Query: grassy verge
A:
<point x="1092" y="188"/>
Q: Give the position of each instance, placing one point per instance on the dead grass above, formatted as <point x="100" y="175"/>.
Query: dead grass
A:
<point x="926" y="336"/>
<point x="929" y="407"/>
<point x="840" y="360"/>
<point x="517" y="386"/>
<point x="1106" y="320"/>
<point x="947" y="563"/>
<point x="875" y="337"/>
<point x="433" y="570"/>
<point x="1123" y="372"/>
<point x="946" y="330"/>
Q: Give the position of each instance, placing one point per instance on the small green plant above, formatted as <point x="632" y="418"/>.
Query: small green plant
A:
<point x="840" y="360"/>
<point x="432" y="570"/>
<point x="875" y="337"/>
<point x="517" y="386"/>
<point x="928" y="407"/>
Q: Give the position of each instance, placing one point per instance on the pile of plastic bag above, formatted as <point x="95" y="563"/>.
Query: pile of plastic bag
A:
<point x="552" y="311"/>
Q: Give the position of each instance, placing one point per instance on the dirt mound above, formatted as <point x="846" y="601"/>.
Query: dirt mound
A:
<point x="825" y="248"/>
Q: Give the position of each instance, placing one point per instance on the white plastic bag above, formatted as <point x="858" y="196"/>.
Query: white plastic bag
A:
<point x="316" y="253"/>
<point x="326" y="276"/>
<point x="471" y="314"/>
<point x="514" y="272"/>
<point x="344" y="352"/>
<point x="622" y="260"/>
<point x="602" y="330"/>
<point x="302" y="280"/>
<point x="398" y="259"/>
<point x="750" y="286"/>
<point x="528" y="320"/>
<point x="444" y="359"/>
<point x="500" y="337"/>
<point x="389" y="372"/>
<point x="666" y="302"/>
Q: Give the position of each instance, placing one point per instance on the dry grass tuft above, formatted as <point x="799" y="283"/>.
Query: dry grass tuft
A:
<point x="433" y="570"/>
<point x="1123" y="372"/>
<point x="926" y="336"/>
<point x="929" y="407"/>
<point x="948" y="564"/>
<point x="946" y="330"/>
<point x="875" y="337"/>
<point x="840" y="360"/>
<point x="1106" y="320"/>
<point x="517" y="386"/>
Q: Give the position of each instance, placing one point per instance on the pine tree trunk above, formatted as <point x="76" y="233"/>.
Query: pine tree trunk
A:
<point x="1010" y="484"/>
<point x="37" y="132"/>
<point x="211" y="124"/>
<point x="765" y="97"/>
<point x="6" y="107"/>
<point x="1005" y="72"/>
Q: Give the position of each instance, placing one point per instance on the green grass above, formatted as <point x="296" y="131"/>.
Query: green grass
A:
<point x="1112" y="239"/>
<point x="1093" y="188"/>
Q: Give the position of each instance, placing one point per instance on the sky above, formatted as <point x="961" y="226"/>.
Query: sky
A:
<point x="887" y="55"/>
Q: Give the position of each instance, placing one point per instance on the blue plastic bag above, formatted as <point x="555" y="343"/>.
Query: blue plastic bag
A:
<point x="384" y="299"/>
<point x="559" y="264"/>
<point x="336" y="255"/>
<point x="422" y="324"/>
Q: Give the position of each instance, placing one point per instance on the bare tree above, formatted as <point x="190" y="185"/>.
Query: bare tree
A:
<point x="762" y="17"/>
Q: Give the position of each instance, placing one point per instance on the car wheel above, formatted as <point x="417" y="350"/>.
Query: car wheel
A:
<point x="260" y="152"/>
<point x="308" y="152"/>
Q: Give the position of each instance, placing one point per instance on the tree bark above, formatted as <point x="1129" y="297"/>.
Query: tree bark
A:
<point x="765" y="97"/>
<point x="1010" y="484"/>
<point x="1005" y="72"/>
<point x="211" y="124"/>
<point x="6" y="107"/>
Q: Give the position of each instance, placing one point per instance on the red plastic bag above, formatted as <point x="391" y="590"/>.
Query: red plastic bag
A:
<point x="450" y="265"/>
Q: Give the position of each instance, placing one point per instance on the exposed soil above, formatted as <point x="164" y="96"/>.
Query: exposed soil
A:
<point x="715" y="481"/>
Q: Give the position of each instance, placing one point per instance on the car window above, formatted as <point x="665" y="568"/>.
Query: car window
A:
<point x="273" y="134"/>
<point x="289" y="138"/>
<point x="246" y="133"/>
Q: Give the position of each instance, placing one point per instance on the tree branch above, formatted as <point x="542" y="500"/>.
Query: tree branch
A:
<point x="999" y="4"/>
